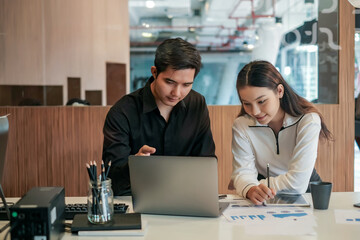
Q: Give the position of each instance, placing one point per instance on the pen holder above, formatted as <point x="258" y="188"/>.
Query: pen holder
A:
<point x="100" y="202"/>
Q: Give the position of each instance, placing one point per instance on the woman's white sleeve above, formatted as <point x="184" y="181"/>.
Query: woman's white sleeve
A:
<point x="244" y="171"/>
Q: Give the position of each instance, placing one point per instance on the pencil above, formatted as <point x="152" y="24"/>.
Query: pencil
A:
<point x="95" y="171"/>
<point x="91" y="176"/>
<point x="268" y="175"/>
<point x="108" y="169"/>
<point x="89" y="172"/>
<point x="102" y="171"/>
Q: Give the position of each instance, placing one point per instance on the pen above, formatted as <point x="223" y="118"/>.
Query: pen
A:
<point x="268" y="175"/>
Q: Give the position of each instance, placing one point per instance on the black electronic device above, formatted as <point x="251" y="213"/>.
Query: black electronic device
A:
<point x="72" y="209"/>
<point x="81" y="208"/>
<point x="119" y="222"/>
<point x="39" y="214"/>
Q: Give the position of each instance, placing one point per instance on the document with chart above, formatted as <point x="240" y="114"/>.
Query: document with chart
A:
<point x="273" y="220"/>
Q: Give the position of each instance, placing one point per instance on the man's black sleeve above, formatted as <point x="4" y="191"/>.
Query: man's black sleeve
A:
<point x="117" y="149"/>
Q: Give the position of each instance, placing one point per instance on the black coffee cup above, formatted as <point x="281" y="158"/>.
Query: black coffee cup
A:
<point x="320" y="193"/>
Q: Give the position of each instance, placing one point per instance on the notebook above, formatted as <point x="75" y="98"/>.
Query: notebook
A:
<point x="128" y="221"/>
<point x="175" y="185"/>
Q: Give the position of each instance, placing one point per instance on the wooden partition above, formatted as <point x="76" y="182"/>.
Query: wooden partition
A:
<point x="49" y="146"/>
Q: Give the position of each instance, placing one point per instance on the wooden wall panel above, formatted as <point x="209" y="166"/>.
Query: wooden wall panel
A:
<point x="27" y="95"/>
<point x="5" y="95"/>
<point x="22" y="43"/>
<point x="49" y="146"/>
<point x="43" y="42"/>
<point x="30" y="95"/>
<point x="222" y="118"/>
<point x="73" y="87"/>
<point x="93" y="97"/>
<point x="115" y="82"/>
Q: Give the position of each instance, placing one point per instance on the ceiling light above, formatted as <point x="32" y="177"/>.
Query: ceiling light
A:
<point x="250" y="46"/>
<point x="191" y="29"/>
<point x="146" y="34"/>
<point x="145" y="25"/>
<point x="150" y="4"/>
<point x="287" y="70"/>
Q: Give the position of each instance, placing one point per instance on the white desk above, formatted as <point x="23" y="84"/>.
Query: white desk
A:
<point x="186" y="228"/>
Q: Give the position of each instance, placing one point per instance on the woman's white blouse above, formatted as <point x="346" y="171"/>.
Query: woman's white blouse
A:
<point x="291" y="155"/>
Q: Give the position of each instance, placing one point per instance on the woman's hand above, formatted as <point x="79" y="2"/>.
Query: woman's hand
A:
<point x="259" y="194"/>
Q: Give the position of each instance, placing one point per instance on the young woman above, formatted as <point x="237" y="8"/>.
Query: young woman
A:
<point x="275" y="127"/>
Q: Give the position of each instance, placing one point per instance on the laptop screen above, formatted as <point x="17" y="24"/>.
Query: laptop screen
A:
<point x="4" y="129"/>
<point x="175" y="185"/>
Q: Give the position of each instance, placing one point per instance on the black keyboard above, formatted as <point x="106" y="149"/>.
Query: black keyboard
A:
<point x="72" y="209"/>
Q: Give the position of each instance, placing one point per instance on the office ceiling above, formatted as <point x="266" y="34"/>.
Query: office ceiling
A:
<point x="215" y="25"/>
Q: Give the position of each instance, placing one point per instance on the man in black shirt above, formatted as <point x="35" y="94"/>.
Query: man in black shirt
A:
<point x="166" y="117"/>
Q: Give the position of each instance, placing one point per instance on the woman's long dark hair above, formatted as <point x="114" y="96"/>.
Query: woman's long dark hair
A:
<point x="264" y="74"/>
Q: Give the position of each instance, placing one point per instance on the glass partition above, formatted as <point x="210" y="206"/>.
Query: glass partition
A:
<point x="51" y="54"/>
<point x="299" y="37"/>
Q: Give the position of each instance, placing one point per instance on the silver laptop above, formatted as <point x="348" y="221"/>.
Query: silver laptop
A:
<point x="175" y="185"/>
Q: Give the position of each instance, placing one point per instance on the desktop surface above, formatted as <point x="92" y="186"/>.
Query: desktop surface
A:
<point x="161" y="227"/>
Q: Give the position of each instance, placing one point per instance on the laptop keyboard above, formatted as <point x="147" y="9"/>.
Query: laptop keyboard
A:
<point x="72" y="209"/>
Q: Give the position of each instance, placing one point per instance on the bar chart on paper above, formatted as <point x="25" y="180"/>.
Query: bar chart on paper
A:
<point x="251" y="215"/>
<point x="272" y="220"/>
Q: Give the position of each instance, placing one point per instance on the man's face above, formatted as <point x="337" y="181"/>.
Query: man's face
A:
<point x="171" y="86"/>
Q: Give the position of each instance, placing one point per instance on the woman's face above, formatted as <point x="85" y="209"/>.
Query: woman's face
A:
<point x="262" y="103"/>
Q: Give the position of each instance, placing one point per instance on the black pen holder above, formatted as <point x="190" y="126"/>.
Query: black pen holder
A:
<point x="100" y="202"/>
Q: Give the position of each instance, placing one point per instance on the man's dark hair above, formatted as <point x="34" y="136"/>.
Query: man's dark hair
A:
<point x="178" y="54"/>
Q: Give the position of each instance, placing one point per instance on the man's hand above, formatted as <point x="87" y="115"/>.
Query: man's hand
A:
<point x="259" y="194"/>
<point x="146" y="151"/>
